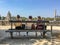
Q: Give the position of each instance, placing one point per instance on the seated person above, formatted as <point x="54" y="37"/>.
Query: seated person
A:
<point x="28" y="25"/>
<point x="40" y="26"/>
<point x="18" y="25"/>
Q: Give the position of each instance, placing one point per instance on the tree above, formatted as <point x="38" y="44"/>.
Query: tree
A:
<point x="49" y="19"/>
<point x="34" y="18"/>
<point x="24" y="18"/>
<point x="0" y="17"/>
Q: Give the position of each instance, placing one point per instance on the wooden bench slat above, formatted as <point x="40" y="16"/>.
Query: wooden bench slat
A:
<point x="29" y="21"/>
<point x="26" y="30"/>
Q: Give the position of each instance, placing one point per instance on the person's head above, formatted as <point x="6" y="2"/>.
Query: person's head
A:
<point x="39" y="18"/>
<point x="30" y="17"/>
<point x="18" y="17"/>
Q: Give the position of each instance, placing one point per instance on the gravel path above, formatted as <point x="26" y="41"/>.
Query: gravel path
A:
<point x="6" y="40"/>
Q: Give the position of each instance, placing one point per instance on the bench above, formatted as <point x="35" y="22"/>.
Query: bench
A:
<point x="11" y="31"/>
<point x="27" y="30"/>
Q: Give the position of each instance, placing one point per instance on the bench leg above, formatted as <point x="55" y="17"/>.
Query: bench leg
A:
<point x="44" y="34"/>
<point x="27" y="33"/>
<point x="19" y="33"/>
<point x="36" y="34"/>
<point x="11" y="33"/>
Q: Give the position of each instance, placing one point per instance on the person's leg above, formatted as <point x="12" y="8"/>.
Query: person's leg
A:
<point x="17" y="28"/>
<point x="20" y="29"/>
<point x="23" y="26"/>
<point x="27" y="33"/>
<point x="27" y="27"/>
<point x="44" y="32"/>
<point x="45" y="27"/>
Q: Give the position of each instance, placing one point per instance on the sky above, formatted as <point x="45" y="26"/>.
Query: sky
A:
<point x="43" y="8"/>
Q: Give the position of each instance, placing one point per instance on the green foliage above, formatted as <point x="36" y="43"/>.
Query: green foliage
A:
<point x="24" y="18"/>
<point x="3" y="18"/>
<point x="49" y="19"/>
<point x="34" y="18"/>
<point x="13" y="18"/>
<point x="57" y="19"/>
<point x="0" y="17"/>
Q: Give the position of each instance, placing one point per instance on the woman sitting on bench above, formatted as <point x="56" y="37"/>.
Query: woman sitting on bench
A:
<point x="18" y="25"/>
<point x="41" y="26"/>
<point x="28" y="25"/>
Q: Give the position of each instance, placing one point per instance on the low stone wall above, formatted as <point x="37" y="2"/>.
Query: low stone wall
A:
<point x="5" y="27"/>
